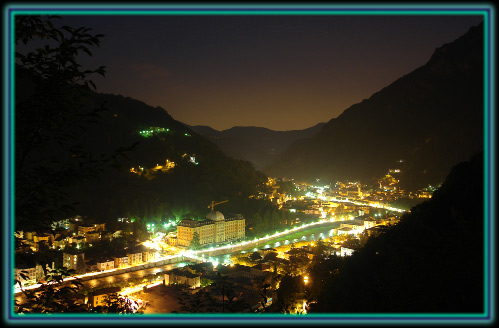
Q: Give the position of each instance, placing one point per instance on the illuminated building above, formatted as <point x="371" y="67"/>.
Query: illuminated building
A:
<point x="348" y="251"/>
<point x="73" y="259"/>
<point x="105" y="264"/>
<point x="134" y="258"/>
<point x="33" y="272"/>
<point x="99" y="298"/>
<point x="84" y="229"/>
<point x="180" y="277"/>
<point x="214" y="229"/>
<point x="120" y="261"/>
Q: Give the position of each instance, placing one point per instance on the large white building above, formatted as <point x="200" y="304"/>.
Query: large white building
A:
<point x="214" y="229"/>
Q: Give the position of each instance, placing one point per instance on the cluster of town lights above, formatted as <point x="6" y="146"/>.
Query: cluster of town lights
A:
<point x="195" y="254"/>
<point x="377" y="205"/>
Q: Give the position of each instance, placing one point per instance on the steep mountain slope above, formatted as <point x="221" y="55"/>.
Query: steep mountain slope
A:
<point x="415" y="266"/>
<point x="172" y="170"/>
<point x="255" y="144"/>
<point x="423" y="123"/>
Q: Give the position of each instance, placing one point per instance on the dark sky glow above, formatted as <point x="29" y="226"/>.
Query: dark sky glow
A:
<point x="279" y="72"/>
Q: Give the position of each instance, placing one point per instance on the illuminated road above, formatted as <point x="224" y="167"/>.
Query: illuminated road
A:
<point x="104" y="281"/>
<point x="375" y="205"/>
<point x="97" y="279"/>
<point x="305" y="233"/>
<point x="270" y="240"/>
<point x="90" y="282"/>
<point x="100" y="279"/>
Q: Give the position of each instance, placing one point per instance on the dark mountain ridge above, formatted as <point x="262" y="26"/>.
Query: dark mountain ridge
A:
<point x="423" y="123"/>
<point x="144" y="186"/>
<point x="258" y="145"/>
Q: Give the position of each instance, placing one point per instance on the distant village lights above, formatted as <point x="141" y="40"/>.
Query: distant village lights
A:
<point x="152" y="130"/>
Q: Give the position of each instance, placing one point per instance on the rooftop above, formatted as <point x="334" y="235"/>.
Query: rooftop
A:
<point x="193" y="223"/>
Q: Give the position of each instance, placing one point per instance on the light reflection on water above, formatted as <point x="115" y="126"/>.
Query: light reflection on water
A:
<point x="93" y="283"/>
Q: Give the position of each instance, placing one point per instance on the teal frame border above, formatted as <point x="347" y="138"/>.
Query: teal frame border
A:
<point x="484" y="9"/>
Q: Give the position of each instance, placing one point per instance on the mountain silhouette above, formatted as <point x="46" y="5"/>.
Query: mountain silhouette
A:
<point x="144" y="186"/>
<point x="423" y="123"/>
<point x="258" y="145"/>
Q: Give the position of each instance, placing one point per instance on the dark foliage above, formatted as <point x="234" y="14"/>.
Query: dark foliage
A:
<point x="432" y="261"/>
<point x="53" y="296"/>
<point x="186" y="189"/>
<point x="51" y="111"/>
<point x="219" y="297"/>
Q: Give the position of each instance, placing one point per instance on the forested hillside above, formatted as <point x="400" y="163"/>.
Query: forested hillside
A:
<point x="144" y="185"/>
<point x="432" y="261"/>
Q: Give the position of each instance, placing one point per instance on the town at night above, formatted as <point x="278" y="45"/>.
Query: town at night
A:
<point x="249" y="164"/>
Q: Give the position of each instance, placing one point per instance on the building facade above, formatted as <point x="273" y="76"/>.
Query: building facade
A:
<point x="120" y="261"/>
<point x="105" y="264"/>
<point x="214" y="229"/>
<point x="134" y="258"/>
<point x="27" y="275"/>
<point x="180" y="277"/>
<point x="73" y="261"/>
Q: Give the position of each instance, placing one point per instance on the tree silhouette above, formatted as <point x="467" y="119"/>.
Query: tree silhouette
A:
<point x="432" y="261"/>
<point x="195" y="243"/>
<point x="52" y="109"/>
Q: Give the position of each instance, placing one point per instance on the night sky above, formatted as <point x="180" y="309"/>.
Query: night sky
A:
<point x="278" y="72"/>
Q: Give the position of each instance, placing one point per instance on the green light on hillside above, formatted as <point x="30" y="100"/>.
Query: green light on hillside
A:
<point x="153" y="130"/>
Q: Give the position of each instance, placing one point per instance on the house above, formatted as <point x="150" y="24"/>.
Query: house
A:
<point x="356" y="227"/>
<point x="366" y="222"/>
<point x="134" y="257"/>
<point x="176" y="276"/>
<point x="148" y="254"/>
<point x="86" y="228"/>
<point x="45" y="238"/>
<point x="28" y="271"/>
<point x="105" y="264"/>
<point x="78" y="240"/>
<point x="120" y="261"/>
<point x="73" y="260"/>
<point x="348" y="251"/>
<point x="34" y="273"/>
<point x="99" y="298"/>
<point x="60" y="242"/>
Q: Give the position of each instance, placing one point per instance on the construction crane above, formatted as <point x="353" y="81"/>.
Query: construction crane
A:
<point x="213" y="204"/>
